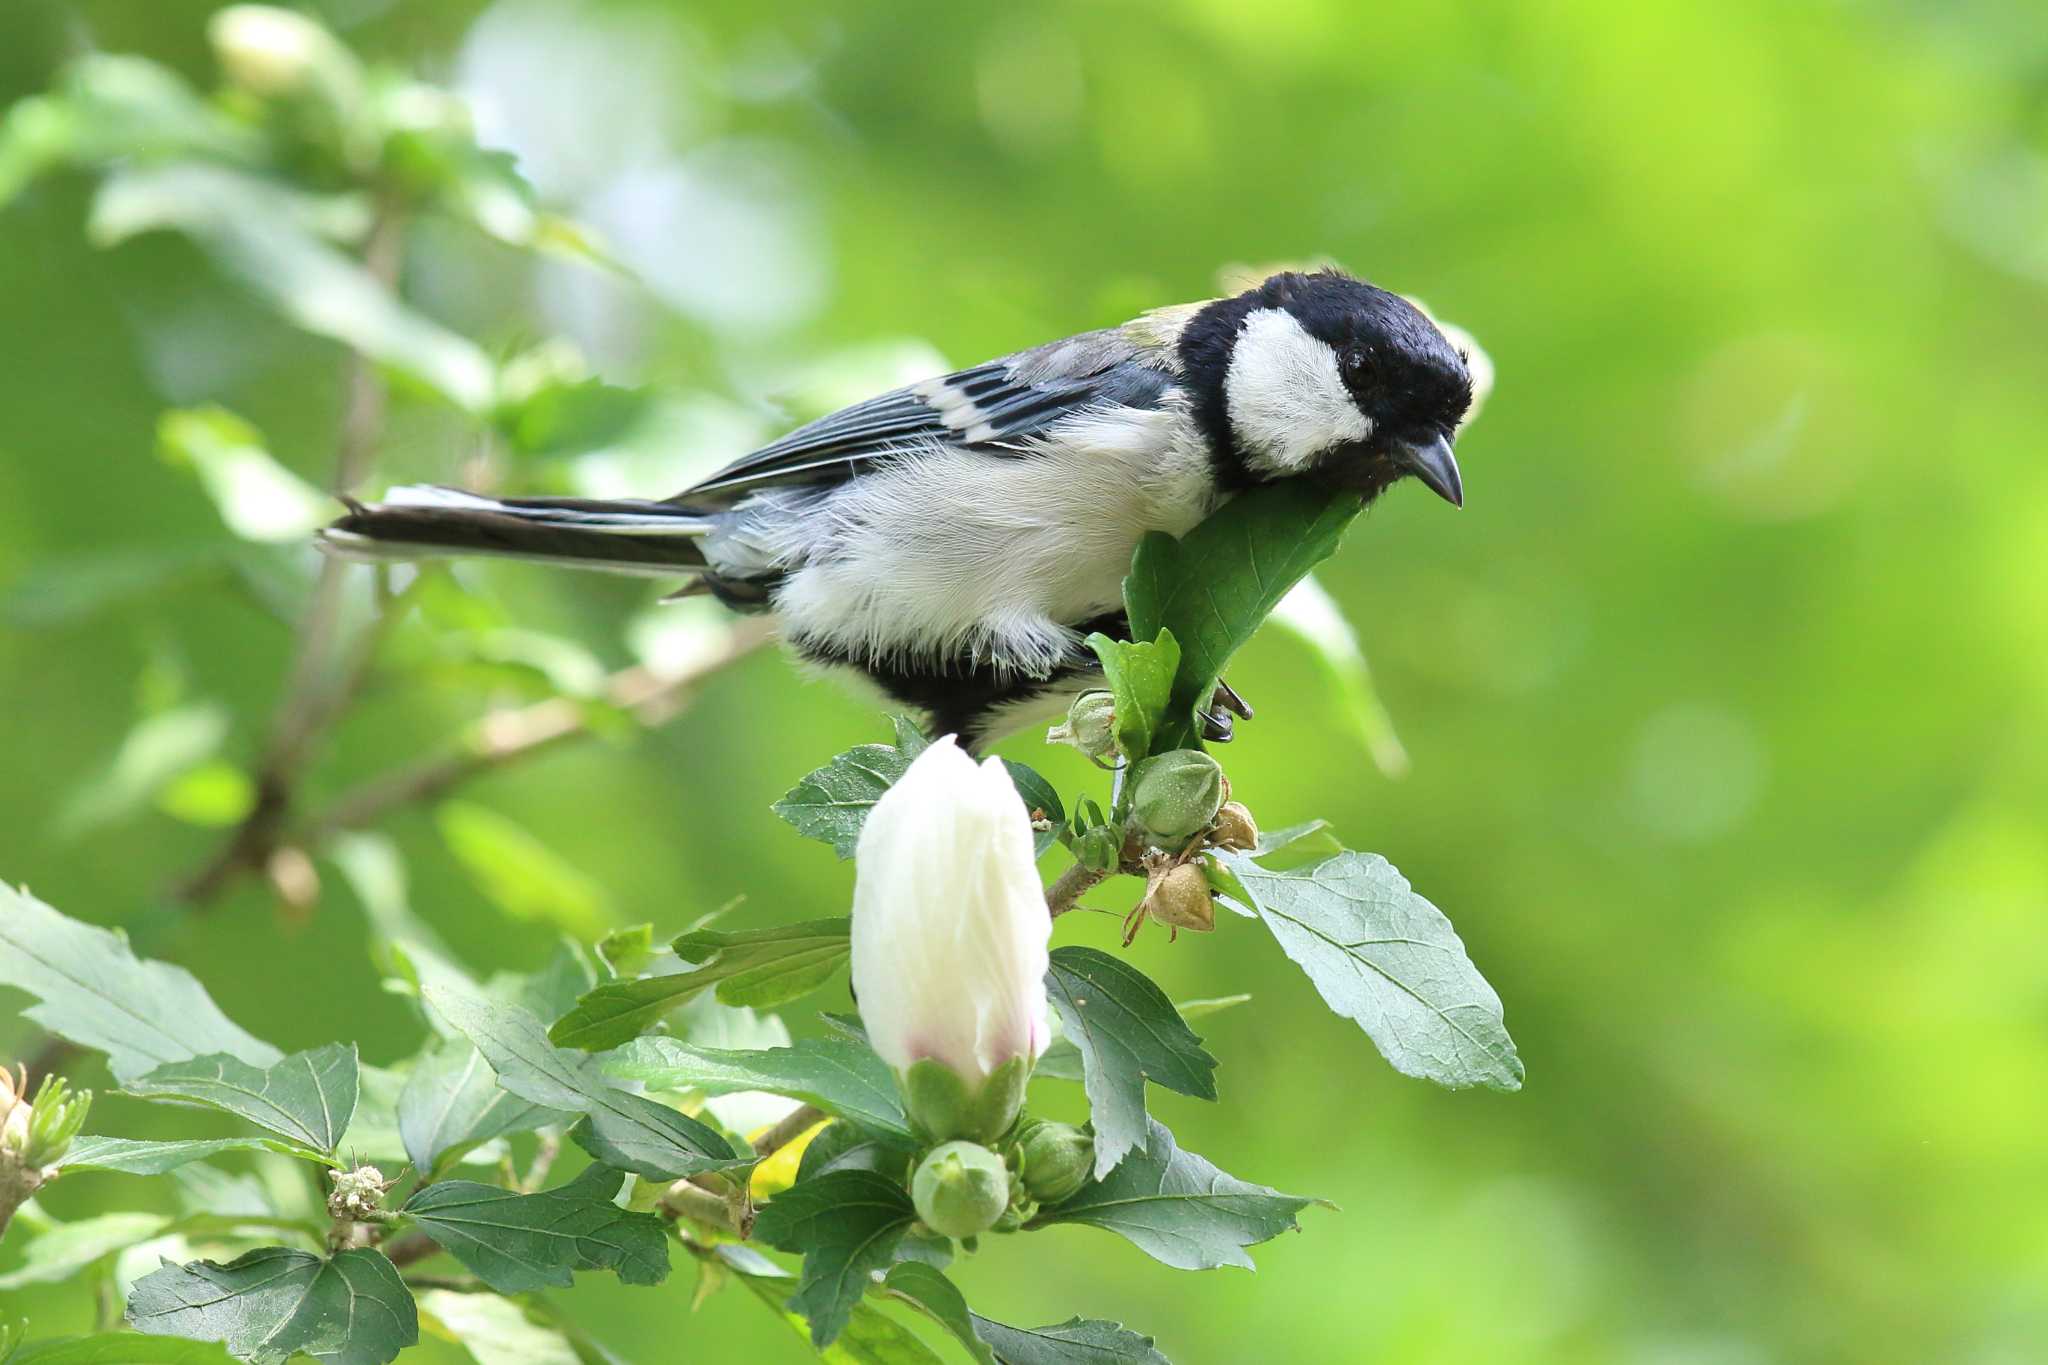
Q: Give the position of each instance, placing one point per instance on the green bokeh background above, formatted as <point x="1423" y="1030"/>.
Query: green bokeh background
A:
<point x="1724" y="694"/>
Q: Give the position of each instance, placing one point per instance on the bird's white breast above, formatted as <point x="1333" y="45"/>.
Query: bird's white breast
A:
<point x="948" y="553"/>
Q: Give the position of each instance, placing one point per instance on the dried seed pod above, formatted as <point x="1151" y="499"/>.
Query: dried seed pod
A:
<point x="1235" y="828"/>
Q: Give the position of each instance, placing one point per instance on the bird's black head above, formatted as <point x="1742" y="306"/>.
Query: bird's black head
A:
<point x="1327" y="376"/>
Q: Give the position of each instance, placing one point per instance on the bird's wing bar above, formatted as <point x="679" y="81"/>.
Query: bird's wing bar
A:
<point x="996" y="405"/>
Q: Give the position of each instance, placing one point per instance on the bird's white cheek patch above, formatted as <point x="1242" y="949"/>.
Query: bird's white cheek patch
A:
<point x="1286" y="399"/>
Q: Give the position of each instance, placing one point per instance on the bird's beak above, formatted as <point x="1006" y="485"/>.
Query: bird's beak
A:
<point x="1432" y="462"/>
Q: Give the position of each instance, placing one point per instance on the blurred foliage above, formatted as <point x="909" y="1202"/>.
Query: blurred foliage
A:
<point x="1721" y="699"/>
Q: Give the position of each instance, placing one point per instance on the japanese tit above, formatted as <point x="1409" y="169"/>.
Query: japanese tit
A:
<point x="956" y="540"/>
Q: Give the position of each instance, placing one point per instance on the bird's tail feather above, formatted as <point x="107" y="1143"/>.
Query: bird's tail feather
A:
<point x="653" y="539"/>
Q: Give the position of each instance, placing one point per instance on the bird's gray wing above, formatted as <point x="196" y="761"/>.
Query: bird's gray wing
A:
<point x="997" y="406"/>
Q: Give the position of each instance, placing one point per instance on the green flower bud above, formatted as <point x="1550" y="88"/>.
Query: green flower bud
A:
<point x="1058" y="1159"/>
<point x="1175" y="795"/>
<point x="1099" y="849"/>
<point x="57" y="1116"/>
<point x="960" y="1189"/>
<point x="1090" y="725"/>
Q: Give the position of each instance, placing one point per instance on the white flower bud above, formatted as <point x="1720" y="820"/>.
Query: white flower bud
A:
<point x="950" y="925"/>
<point x="275" y="53"/>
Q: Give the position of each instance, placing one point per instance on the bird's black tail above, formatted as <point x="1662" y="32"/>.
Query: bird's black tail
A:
<point x="654" y="539"/>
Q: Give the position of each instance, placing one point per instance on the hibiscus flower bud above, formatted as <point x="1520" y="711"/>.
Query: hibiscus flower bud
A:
<point x="960" y="1189"/>
<point x="1089" y="726"/>
<point x="278" y="54"/>
<point x="1175" y="795"/>
<point x="1058" y="1159"/>
<point x="949" y="943"/>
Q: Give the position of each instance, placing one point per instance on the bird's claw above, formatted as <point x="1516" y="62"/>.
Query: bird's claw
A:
<point x="1217" y="722"/>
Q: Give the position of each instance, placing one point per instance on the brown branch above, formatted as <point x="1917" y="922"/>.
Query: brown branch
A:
<point x="1076" y="882"/>
<point x="509" y="736"/>
<point x="793" y="1126"/>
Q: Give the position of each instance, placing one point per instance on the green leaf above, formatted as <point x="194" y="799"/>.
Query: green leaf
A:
<point x="77" y="587"/>
<point x="870" y="1337"/>
<point x="452" y="1102"/>
<point x="1040" y="798"/>
<point x="518" y="873"/>
<point x="624" y="1130"/>
<point x="519" y="1242"/>
<point x="272" y="1303"/>
<point x="258" y="498"/>
<point x="271" y="241"/>
<point x="1140" y="675"/>
<point x="1213" y="586"/>
<point x="1312" y="615"/>
<point x="121" y="1348"/>
<point x="94" y="992"/>
<point x="308" y="1097"/>
<point x="69" y="1248"/>
<point x="152" y="755"/>
<point x="133" y="1157"/>
<point x="839" y="1076"/>
<point x="565" y="418"/>
<point x="927" y="1288"/>
<point x="495" y="1331"/>
<point x="1076" y="1341"/>
<point x="833" y="803"/>
<point x="628" y="952"/>
<point x="1177" y="1208"/>
<point x="845" y="1224"/>
<point x="754" y="967"/>
<point x="1388" y="960"/>
<point x="1128" y="1032"/>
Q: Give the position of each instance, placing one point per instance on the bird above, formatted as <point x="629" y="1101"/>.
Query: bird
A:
<point x="956" y="541"/>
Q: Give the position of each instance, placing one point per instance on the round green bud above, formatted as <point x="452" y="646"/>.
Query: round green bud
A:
<point x="960" y="1189"/>
<point x="1099" y="849"/>
<point x="1058" y="1159"/>
<point x="1090" y="725"/>
<point x="1175" y="795"/>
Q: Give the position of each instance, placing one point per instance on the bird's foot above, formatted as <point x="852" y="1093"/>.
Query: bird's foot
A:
<point x="1217" y="723"/>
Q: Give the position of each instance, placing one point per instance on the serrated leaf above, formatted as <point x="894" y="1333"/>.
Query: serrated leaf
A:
<point x="307" y="1097"/>
<point x="143" y="1157"/>
<point x="272" y="1303"/>
<point x="870" y="1336"/>
<point x="452" y="1102"/>
<point x="624" y="1130"/>
<point x="518" y="1242"/>
<point x="832" y="803"/>
<point x="927" y="1289"/>
<point x="845" y="1225"/>
<point x="756" y="967"/>
<point x="495" y="1331"/>
<point x="1214" y="586"/>
<point x="1177" y="1208"/>
<point x="1387" y="959"/>
<point x="121" y="1348"/>
<point x="1140" y="674"/>
<point x="838" y="1075"/>
<point x="94" y="992"/>
<point x="1076" y="1341"/>
<point x="1041" y="799"/>
<point x="63" y="1251"/>
<point x="1128" y="1032"/>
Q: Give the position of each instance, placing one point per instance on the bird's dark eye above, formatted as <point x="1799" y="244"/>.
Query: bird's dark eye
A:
<point x="1356" y="362"/>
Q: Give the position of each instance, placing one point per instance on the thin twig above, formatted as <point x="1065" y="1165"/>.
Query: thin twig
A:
<point x="543" y="1160"/>
<point x="505" y="737"/>
<point x="792" y="1126"/>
